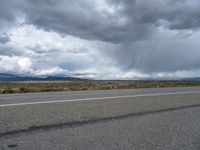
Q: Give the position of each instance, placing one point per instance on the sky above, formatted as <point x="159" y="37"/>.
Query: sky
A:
<point x="101" y="39"/>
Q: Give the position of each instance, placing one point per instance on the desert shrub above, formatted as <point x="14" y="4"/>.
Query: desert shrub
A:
<point x="25" y="90"/>
<point x="7" y="91"/>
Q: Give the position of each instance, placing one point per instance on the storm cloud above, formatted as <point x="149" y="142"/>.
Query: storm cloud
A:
<point x="103" y="39"/>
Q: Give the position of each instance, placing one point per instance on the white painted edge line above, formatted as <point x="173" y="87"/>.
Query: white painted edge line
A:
<point x="96" y="98"/>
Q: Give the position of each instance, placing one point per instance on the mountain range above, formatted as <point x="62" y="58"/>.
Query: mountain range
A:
<point x="4" y="77"/>
<point x="192" y="79"/>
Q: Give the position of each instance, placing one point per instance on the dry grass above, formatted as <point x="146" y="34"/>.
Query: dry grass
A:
<point x="87" y="85"/>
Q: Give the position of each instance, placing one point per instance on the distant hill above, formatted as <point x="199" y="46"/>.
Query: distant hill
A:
<point x="12" y="77"/>
<point x="192" y="79"/>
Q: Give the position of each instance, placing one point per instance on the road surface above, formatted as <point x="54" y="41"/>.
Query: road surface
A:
<point x="164" y="118"/>
<point x="170" y="130"/>
<point x="81" y="95"/>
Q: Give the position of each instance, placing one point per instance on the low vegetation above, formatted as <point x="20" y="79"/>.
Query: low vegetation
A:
<point x="29" y="87"/>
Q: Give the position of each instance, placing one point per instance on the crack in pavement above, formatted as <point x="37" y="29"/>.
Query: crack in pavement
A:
<point x="93" y="121"/>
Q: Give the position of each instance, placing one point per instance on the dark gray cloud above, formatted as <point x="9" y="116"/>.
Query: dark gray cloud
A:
<point x="135" y="20"/>
<point x="4" y="38"/>
<point x="111" y="20"/>
<point x="8" y="51"/>
<point x="158" y="56"/>
<point x="174" y="14"/>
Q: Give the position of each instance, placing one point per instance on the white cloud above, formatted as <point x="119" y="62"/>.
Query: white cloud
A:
<point x="44" y="53"/>
<point x="103" y="39"/>
<point x="24" y="64"/>
<point x="12" y="64"/>
<point x="37" y="52"/>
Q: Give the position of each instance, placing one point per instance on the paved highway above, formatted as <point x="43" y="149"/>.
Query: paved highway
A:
<point x="170" y="130"/>
<point x="163" y="118"/>
<point x="84" y="95"/>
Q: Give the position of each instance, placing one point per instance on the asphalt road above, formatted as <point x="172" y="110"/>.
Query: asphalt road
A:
<point x="162" y="118"/>
<point x="170" y="130"/>
<point x="56" y="96"/>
